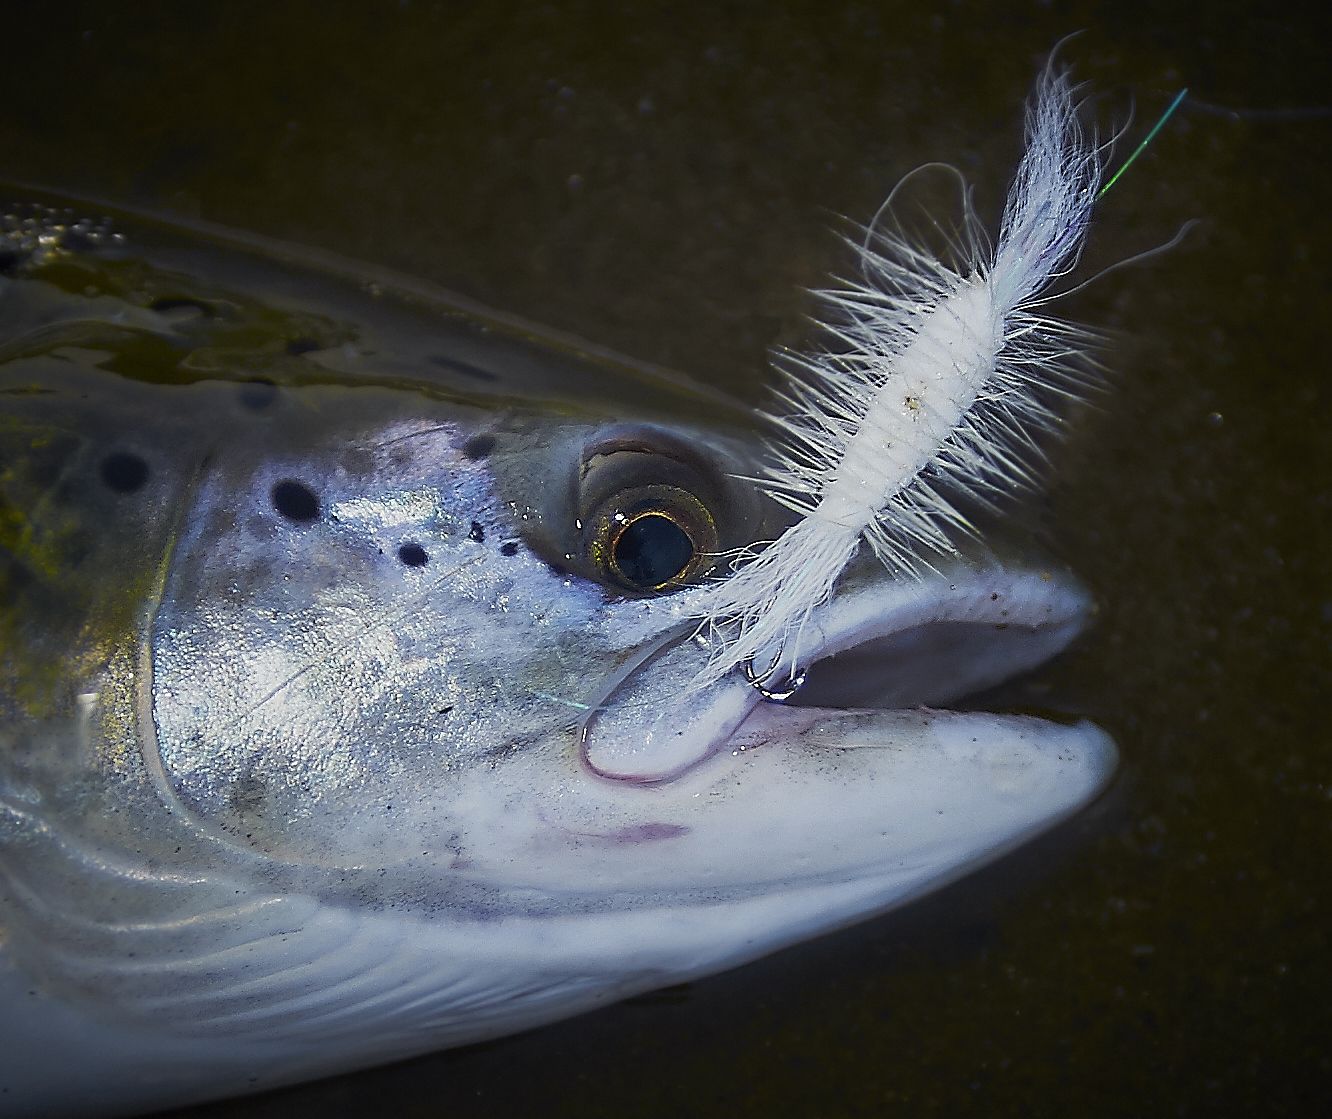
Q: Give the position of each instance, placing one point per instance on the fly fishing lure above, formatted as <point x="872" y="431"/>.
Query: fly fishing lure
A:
<point x="935" y="387"/>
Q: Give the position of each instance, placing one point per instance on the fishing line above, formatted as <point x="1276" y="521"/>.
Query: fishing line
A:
<point x="1151" y="135"/>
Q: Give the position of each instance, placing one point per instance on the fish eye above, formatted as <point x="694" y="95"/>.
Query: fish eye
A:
<point x="649" y="511"/>
<point x="652" y="538"/>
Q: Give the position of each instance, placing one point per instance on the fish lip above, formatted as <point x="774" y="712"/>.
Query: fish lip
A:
<point x="1012" y="622"/>
<point x="1028" y="616"/>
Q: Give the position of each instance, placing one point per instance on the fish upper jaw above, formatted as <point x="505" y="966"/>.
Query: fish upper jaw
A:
<point x="880" y="646"/>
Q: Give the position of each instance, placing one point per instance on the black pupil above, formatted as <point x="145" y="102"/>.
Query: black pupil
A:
<point x="652" y="550"/>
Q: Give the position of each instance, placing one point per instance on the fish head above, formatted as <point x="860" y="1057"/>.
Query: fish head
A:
<point x="355" y="695"/>
<point x="465" y="651"/>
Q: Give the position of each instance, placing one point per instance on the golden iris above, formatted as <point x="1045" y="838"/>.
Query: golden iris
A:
<point x="652" y="538"/>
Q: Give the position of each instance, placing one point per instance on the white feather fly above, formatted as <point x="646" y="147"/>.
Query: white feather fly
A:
<point x="929" y="393"/>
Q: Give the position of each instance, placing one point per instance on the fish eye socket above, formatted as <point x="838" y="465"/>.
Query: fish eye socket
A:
<point x="652" y="538"/>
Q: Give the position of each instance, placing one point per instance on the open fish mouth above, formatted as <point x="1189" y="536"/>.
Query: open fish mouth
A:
<point x="878" y="651"/>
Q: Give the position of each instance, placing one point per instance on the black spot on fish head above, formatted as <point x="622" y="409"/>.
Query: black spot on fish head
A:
<point x="295" y="501"/>
<point x="413" y="555"/>
<point x="478" y="447"/>
<point x="124" y="472"/>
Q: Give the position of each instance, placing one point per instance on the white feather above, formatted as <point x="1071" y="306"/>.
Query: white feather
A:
<point x="927" y="393"/>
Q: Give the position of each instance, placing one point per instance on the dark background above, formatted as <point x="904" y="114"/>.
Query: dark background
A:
<point x="664" y="180"/>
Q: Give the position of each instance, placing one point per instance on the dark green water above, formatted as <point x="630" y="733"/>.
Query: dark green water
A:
<point x="664" y="182"/>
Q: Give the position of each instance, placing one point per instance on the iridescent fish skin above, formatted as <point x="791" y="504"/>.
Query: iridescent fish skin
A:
<point x="327" y="735"/>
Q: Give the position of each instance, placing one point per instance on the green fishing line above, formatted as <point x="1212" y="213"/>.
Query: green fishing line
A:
<point x="1145" y="141"/>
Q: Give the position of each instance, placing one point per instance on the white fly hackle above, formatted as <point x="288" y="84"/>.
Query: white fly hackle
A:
<point x="1050" y="202"/>
<point x="933" y="384"/>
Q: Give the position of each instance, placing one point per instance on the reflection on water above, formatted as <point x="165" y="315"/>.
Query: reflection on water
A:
<point x="665" y="186"/>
